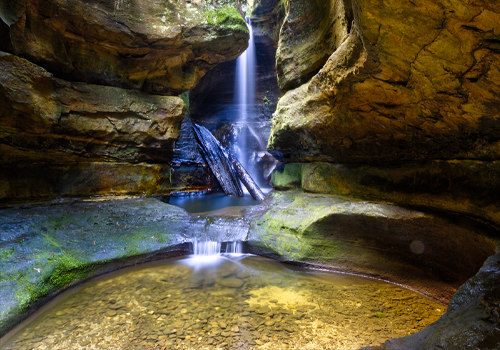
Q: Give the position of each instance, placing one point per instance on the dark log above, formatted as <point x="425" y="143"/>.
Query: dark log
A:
<point x="218" y="161"/>
<point x="247" y="180"/>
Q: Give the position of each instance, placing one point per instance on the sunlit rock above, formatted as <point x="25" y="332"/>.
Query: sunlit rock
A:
<point x="162" y="47"/>
<point x="409" y="81"/>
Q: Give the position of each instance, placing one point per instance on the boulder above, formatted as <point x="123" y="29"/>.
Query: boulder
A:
<point x="161" y="47"/>
<point x="428" y="252"/>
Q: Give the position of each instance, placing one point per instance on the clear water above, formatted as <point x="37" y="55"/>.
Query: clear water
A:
<point x="244" y="98"/>
<point x="229" y="302"/>
<point x="213" y="202"/>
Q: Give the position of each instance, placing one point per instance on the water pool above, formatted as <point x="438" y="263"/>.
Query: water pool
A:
<point x="225" y="302"/>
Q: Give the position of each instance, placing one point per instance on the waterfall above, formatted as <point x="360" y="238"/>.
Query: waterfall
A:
<point x="211" y="248"/>
<point x="227" y="169"/>
<point x="244" y="98"/>
<point x="206" y="248"/>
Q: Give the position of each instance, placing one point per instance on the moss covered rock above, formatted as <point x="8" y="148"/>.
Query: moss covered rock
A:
<point x="162" y="47"/>
<point x="46" y="249"/>
<point x="425" y="251"/>
<point x="467" y="187"/>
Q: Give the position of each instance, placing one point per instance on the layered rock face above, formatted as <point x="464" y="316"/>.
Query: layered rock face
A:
<point x="399" y="103"/>
<point x="83" y="91"/>
<point x="410" y="81"/>
<point x="399" y="84"/>
<point x="154" y="46"/>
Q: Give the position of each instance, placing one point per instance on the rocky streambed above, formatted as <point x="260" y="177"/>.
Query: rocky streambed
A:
<point x="47" y="248"/>
<point x="239" y="302"/>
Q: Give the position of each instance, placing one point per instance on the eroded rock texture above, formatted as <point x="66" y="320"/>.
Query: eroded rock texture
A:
<point x="403" y="107"/>
<point x="162" y="47"/>
<point x="61" y="138"/>
<point x="402" y="81"/>
<point x="83" y="88"/>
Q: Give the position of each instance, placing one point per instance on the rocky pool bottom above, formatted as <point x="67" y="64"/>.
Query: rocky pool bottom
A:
<point x="48" y="247"/>
<point x="229" y="302"/>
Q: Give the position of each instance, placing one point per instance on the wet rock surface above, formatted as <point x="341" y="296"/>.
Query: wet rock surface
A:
<point x="159" y="47"/>
<point x="244" y="303"/>
<point x="47" y="248"/>
<point x="377" y="239"/>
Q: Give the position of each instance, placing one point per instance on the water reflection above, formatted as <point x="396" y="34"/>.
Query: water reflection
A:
<point x="243" y="302"/>
<point x="212" y="202"/>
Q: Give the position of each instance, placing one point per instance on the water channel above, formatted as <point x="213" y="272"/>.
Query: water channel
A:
<point x="225" y="301"/>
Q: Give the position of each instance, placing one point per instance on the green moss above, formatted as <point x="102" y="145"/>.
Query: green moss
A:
<point x="228" y="18"/>
<point x="4" y="254"/>
<point x="30" y="293"/>
<point x="379" y="315"/>
<point x="67" y="270"/>
<point x="185" y="97"/>
<point x="290" y="176"/>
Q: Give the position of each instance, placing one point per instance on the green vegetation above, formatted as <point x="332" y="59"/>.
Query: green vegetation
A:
<point x="266" y="100"/>
<point x="379" y="315"/>
<point x="228" y="18"/>
<point x="4" y="254"/>
<point x="185" y="98"/>
<point x="67" y="270"/>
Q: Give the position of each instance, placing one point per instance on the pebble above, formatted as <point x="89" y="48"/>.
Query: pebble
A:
<point x="161" y="309"/>
<point x="231" y="282"/>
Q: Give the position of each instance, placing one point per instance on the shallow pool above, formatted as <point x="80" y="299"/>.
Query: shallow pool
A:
<point x="230" y="302"/>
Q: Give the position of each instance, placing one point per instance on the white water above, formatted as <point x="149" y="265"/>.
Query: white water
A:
<point x="212" y="248"/>
<point x="244" y="98"/>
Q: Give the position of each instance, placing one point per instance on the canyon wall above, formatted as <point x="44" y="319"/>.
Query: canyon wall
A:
<point x="89" y="90"/>
<point x="396" y="101"/>
<point x="403" y="94"/>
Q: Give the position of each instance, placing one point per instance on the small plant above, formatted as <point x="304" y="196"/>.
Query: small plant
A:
<point x="379" y="315"/>
<point x="285" y="4"/>
<point x="266" y="100"/>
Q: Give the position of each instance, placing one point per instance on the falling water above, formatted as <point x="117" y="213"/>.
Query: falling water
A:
<point x="206" y="248"/>
<point x="212" y="248"/>
<point x="244" y="98"/>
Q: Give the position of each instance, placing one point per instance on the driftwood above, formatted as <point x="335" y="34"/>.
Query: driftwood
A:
<point x="247" y="180"/>
<point x="218" y="161"/>
<point x="227" y="169"/>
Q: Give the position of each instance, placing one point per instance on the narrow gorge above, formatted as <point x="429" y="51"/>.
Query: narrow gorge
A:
<point x="371" y="126"/>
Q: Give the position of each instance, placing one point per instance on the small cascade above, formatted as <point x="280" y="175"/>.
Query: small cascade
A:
<point x="213" y="248"/>
<point x="234" y="248"/>
<point x="206" y="248"/>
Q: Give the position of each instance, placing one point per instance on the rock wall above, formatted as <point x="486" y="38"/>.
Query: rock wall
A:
<point x="407" y="85"/>
<point x="405" y="108"/>
<point x="84" y="90"/>
<point x="406" y="81"/>
<point x="154" y="46"/>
